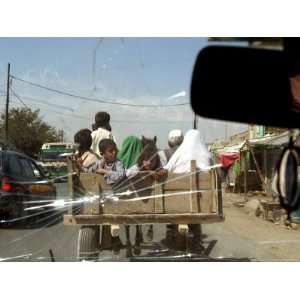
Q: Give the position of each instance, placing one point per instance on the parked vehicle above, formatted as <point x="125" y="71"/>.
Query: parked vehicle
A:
<point x="25" y="190"/>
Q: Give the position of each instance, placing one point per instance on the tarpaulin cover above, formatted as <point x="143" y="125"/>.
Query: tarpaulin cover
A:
<point x="227" y="159"/>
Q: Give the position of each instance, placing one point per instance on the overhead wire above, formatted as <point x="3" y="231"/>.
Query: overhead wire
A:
<point x="94" y="99"/>
<point x="47" y="103"/>
<point x="19" y="98"/>
<point x="115" y="121"/>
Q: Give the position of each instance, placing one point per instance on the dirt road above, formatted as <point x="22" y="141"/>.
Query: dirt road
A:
<point x="241" y="236"/>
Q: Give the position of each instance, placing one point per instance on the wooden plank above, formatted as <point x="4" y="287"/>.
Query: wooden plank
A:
<point x="142" y="201"/>
<point x="159" y="201"/>
<point x="129" y="207"/>
<point x="200" y="218"/>
<point x="193" y="203"/>
<point x="204" y="201"/>
<point x="182" y="181"/>
<point x="173" y="182"/>
<point x="92" y="184"/>
<point x="159" y="198"/>
<point x="92" y="208"/>
<point x="174" y="202"/>
<point x="215" y="193"/>
<point x="207" y="197"/>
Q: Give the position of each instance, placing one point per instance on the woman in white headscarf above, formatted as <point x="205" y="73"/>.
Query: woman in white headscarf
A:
<point x="192" y="148"/>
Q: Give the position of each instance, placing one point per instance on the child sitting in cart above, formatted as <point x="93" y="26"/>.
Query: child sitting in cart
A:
<point x="109" y="165"/>
<point x="147" y="163"/>
<point x="84" y="158"/>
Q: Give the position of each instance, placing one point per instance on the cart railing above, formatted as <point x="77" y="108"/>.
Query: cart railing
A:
<point x="191" y="198"/>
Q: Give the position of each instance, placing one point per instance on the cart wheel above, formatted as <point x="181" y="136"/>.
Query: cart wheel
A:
<point x="88" y="243"/>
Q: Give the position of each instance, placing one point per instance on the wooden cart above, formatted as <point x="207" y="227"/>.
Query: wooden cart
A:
<point x="190" y="198"/>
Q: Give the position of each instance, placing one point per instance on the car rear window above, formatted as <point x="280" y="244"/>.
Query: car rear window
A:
<point x="14" y="167"/>
<point x="37" y="173"/>
<point x="27" y="169"/>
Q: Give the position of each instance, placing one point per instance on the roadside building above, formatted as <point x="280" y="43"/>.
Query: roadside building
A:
<point x="249" y="159"/>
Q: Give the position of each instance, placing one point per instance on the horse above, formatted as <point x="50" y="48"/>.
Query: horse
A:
<point x="150" y="155"/>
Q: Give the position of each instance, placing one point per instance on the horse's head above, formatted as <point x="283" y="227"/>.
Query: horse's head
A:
<point x="147" y="141"/>
<point x="149" y="158"/>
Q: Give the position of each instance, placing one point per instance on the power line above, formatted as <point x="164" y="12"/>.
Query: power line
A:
<point x="93" y="99"/>
<point x="82" y="117"/>
<point x="57" y="112"/>
<point x="114" y="121"/>
<point x="47" y="103"/>
<point x="18" y="97"/>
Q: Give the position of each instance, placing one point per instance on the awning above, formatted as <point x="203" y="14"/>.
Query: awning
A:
<point x="227" y="159"/>
<point x="274" y="139"/>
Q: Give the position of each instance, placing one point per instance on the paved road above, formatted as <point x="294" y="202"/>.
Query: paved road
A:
<point x="241" y="237"/>
<point x="33" y="242"/>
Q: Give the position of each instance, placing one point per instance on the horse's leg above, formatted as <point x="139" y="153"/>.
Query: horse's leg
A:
<point x="128" y="243"/>
<point x="149" y="234"/>
<point x="196" y="242"/>
<point x="127" y="231"/>
<point x="139" y="234"/>
<point x="138" y="240"/>
<point x="106" y="238"/>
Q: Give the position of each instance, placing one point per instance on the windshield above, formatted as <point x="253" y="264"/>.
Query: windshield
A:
<point x="151" y="181"/>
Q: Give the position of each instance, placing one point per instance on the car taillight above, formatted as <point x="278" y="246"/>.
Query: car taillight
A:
<point x="5" y="185"/>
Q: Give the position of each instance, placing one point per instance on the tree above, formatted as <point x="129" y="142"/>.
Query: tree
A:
<point x="27" y="132"/>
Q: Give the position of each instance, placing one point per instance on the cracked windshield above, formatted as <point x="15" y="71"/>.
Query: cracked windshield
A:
<point x="104" y="159"/>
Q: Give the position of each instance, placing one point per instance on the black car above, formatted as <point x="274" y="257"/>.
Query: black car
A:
<point x="25" y="189"/>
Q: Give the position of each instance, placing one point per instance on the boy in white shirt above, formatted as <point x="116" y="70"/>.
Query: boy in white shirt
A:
<point x="102" y="131"/>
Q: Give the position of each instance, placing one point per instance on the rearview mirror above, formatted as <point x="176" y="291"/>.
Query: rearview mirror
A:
<point x="246" y="85"/>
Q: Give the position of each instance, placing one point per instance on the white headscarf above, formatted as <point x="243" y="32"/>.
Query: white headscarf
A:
<point x="192" y="148"/>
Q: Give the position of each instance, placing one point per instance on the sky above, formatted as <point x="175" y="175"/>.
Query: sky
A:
<point x="151" y="71"/>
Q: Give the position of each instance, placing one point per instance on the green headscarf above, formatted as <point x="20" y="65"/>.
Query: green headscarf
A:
<point x="130" y="151"/>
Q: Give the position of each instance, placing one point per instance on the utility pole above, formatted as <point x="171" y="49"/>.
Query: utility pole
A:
<point x="195" y="122"/>
<point x="7" y="104"/>
<point x="226" y="131"/>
